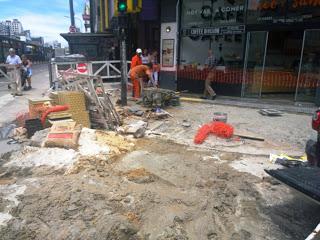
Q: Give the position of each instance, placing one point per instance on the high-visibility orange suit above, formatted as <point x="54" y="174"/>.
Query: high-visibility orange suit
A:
<point x="135" y="61"/>
<point x="137" y="74"/>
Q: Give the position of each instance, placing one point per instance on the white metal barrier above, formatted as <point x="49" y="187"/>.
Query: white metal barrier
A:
<point x="105" y="69"/>
<point x="113" y="68"/>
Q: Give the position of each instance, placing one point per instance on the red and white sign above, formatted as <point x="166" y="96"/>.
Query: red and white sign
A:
<point x="82" y="68"/>
<point x="72" y="29"/>
<point x="85" y="17"/>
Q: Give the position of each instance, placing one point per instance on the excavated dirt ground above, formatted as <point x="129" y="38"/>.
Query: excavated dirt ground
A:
<point x="158" y="190"/>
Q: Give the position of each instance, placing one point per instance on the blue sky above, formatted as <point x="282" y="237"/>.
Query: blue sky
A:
<point x="43" y="17"/>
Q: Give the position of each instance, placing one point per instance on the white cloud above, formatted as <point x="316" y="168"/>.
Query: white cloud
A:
<point x="47" y="26"/>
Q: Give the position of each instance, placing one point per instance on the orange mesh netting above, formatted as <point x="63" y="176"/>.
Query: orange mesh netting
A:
<point x="219" y="129"/>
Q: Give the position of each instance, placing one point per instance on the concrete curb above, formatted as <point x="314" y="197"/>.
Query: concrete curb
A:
<point x="244" y="104"/>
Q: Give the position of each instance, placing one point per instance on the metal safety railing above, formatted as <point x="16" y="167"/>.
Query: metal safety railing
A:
<point x="107" y="70"/>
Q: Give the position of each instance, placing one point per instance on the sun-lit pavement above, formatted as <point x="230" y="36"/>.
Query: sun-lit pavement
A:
<point x="11" y="106"/>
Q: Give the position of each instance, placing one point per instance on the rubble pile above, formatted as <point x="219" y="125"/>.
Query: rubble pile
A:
<point x="102" y="112"/>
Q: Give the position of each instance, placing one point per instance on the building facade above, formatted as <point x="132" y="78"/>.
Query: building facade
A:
<point x="143" y="30"/>
<point x="16" y="27"/>
<point x="37" y="40"/>
<point x="5" y="28"/>
<point x="2" y="29"/>
<point x="13" y="28"/>
<point x="264" y="49"/>
<point x="26" y="34"/>
<point x="56" y="44"/>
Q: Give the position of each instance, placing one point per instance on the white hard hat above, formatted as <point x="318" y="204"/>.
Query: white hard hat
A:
<point x="139" y="50"/>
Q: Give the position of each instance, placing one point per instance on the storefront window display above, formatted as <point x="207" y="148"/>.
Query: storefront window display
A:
<point x="284" y="25"/>
<point x="216" y="25"/>
<point x="263" y="48"/>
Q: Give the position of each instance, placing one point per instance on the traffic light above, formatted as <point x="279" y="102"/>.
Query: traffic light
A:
<point x="122" y="6"/>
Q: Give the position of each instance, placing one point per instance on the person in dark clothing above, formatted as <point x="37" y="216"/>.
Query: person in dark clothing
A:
<point x="26" y="64"/>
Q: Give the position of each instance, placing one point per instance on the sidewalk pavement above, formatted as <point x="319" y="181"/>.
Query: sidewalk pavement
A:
<point x="281" y="105"/>
<point x="11" y="107"/>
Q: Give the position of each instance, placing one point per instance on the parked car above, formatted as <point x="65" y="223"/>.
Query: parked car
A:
<point x="313" y="147"/>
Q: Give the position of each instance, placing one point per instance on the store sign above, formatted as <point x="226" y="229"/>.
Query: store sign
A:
<point x="282" y="11"/>
<point x="238" y="8"/>
<point x="218" y="14"/>
<point x="232" y="29"/>
<point x="214" y="31"/>
<point x="201" y="31"/>
<point x="303" y="3"/>
<point x="274" y="4"/>
<point x="205" y="10"/>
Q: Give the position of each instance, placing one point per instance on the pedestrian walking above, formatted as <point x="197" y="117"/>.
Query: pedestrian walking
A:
<point x="26" y="63"/>
<point x="14" y="72"/>
<point x="210" y="64"/>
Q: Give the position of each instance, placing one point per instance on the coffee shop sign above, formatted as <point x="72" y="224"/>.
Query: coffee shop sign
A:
<point x="208" y="11"/>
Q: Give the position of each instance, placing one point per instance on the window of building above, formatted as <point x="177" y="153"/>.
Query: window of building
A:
<point x="217" y="26"/>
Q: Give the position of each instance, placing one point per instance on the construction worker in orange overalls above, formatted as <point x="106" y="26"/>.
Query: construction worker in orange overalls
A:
<point x="137" y="75"/>
<point x="135" y="61"/>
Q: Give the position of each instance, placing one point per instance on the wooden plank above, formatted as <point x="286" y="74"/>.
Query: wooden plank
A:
<point x="247" y="135"/>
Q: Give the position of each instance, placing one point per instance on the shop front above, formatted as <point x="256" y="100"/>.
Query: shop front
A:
<point x="263" y="49"/>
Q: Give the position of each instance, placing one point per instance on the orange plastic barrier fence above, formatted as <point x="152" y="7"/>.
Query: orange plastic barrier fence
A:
<point x="280" y="79"/>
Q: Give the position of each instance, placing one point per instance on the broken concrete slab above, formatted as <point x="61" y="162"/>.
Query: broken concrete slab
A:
<point x="138" y="129"/>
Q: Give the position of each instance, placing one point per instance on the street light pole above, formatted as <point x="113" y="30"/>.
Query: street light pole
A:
<point x="122" y="26"/>
<point x="81" y="23"/>
<point x="71" y="12"/>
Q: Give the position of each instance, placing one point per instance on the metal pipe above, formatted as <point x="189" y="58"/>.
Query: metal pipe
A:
<point x="92" y="16"/>
<point x="300" y="65"/>
<point x="264" y="63"/>
<point x="245" y="66"/>
<point x="71" y="12"/>
<point x="178" y="51"/>
<point x="124" y="71"/>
